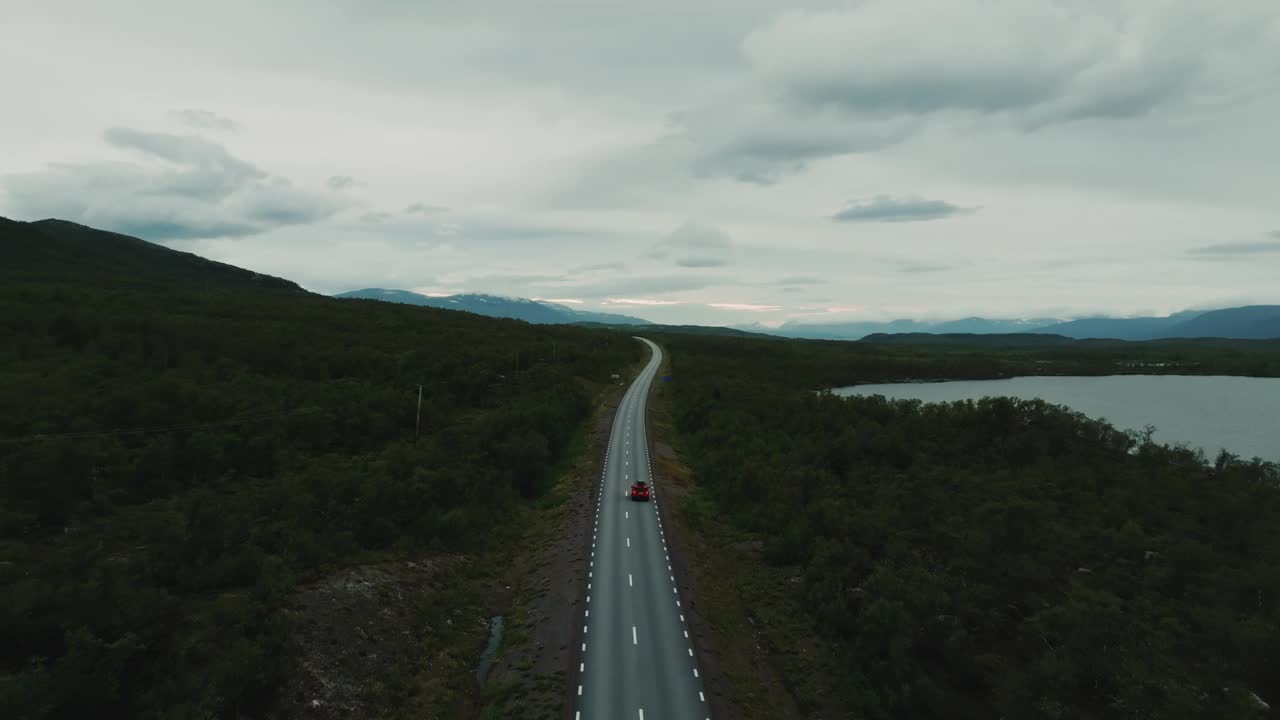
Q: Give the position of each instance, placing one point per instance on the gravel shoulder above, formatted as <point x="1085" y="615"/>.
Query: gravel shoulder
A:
<point x="760" y="660"/>
<point x="402" y="638"/>
<point x="547" y="585"/>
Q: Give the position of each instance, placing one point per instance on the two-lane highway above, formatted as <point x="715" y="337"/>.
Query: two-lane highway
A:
<point x="637" y="655"/>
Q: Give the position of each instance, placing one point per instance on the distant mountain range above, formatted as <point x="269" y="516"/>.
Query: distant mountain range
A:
<point x="859" y="330"/>
<point x="62" y="247"/>
<point x="1252" y="322"/>
<point x="533" y="311"/>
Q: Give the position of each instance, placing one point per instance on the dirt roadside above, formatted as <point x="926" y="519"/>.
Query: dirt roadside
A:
<point x="759" y="659"/>
<point x="545" y="586"/>
<point x="671" y="485"/>
<point x="402" y="638"/>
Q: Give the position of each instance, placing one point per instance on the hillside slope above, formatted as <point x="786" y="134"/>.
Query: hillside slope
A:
<point x="178" y="459"/>
<point x="1255" y="322"/>
<point x="60" y="248"/>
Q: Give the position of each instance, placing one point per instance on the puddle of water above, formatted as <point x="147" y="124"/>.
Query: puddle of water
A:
<point x="495" y="639"/>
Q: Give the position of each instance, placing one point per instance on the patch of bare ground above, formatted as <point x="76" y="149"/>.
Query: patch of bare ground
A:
<point x="395" y="639"/>
<point x="403" y="639"/>
<point x="531" y="676"/>
<point x="760" y="659"/>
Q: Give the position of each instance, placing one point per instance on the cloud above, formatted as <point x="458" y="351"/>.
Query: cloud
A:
<point x="375" y="217"/>
<point x="562" y="301"/>
<point x="187" y="188"/>
<point x="694" y="245"/>
<point x="205" y="120"/>
<point x="761" y="141"/>
<point x="597" y="267"/>
<point x="800" y="280"/>
<point x="211" y="159"/>
<point x="922" y="267"/>
<point x="640" y="301"/>
<point x="340" y="182"/>
<point x="831" y="83"/>
<point x="424" y="209"/>
<point x="744" y="307"/>
<point x="701" y="262"/>
<point x="633" y="285"/>
<point x="990" y="57"/>
<point x="696" y="236"/>
<point x="1238" y="249"/>
<point x="886" y="208"/>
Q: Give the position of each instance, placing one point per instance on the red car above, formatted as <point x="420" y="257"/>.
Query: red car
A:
<point x="639" y="491"/>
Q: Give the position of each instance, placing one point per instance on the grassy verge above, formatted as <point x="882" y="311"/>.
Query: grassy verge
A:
<point x="401" y="638"/>
<point x="768" y="662"/>
<point x="530" y="676"/>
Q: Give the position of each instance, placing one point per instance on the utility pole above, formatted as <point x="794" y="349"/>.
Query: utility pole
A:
<point x="417" y="423"/>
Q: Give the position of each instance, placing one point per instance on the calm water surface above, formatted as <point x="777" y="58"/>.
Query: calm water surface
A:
<point x="1240" y="414"/>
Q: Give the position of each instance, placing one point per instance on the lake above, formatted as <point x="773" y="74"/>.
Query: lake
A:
<point x="1241" y="414"/>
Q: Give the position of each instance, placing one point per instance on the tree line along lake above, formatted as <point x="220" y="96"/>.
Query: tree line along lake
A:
<point x="1215" y="412"/>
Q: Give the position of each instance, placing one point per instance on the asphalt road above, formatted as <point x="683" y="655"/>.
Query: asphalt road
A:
<point x="637" y="655"/>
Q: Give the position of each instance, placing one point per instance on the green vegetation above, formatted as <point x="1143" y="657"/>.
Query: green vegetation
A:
<point x="176" y="459"/>
<point x="999" y="558"/>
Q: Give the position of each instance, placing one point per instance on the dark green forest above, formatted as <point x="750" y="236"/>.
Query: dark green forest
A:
<point x="1000" y="558"/>
<point x="176" y="458"/>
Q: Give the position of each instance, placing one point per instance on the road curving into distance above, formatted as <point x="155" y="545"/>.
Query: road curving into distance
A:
<point x="637" y="657"/>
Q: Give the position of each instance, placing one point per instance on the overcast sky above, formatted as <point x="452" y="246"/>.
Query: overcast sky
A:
<point x="717" y="161"/>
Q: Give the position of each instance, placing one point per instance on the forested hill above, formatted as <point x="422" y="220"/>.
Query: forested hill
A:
<point x="60" y="249"/>
<point x="177" y="455"/>
<point x="990" y="559"/>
